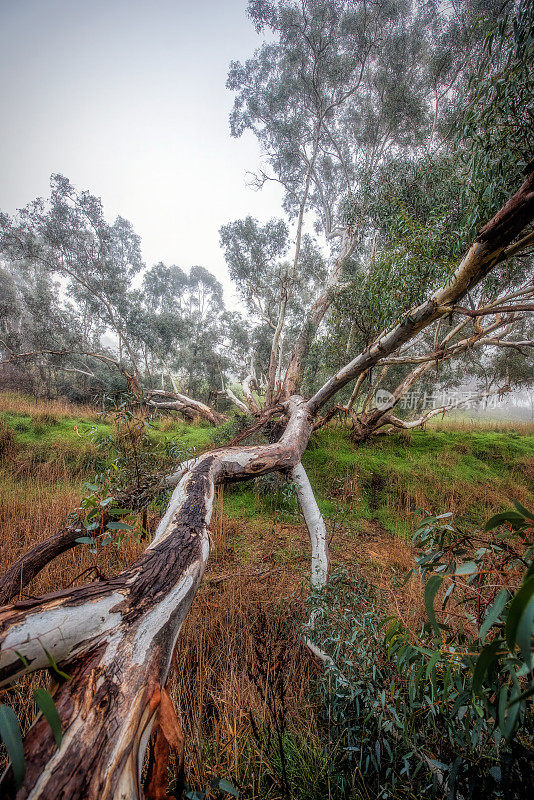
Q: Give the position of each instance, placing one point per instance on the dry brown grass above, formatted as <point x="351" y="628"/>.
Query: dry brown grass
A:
<point x="45" y="410"/>
<point x="238" y="635"/>
<point x="473" y="424"/>
<point x="33" y="509"/>
<point x="217" y="668"/>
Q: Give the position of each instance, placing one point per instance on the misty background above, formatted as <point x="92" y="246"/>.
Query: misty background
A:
<point x="128" y="99"/>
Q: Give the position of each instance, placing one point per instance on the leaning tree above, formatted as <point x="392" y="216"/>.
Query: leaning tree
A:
<point x="115" y="637"/>
<point x="373" y="120"/>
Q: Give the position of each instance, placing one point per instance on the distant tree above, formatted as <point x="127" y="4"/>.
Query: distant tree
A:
<point x="68" y="237"/>
<point x="75" y="308"/>
<point x="182" y="314"/>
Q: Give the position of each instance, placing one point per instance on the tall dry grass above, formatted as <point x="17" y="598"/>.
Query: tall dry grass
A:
<point x="45" y="410"/>
<point x="466" y="424"/>
<point x="239" y="647"/>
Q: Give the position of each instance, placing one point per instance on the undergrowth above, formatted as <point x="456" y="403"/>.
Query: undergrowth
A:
<point x="242" y="682"/>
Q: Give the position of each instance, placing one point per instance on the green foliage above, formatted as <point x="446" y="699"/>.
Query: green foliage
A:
<point x="60" y="674"/>
<point x="496" y="131"/>
<point x="131" y="455"/>
<point x="12" y="738"/>
<point x="472" y="566"/>
<point x="419" y="255"/>
<point x="450" y="709"/>
<point x="221" y="787"/>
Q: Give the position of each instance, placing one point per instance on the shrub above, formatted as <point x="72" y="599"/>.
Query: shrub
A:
<point x="446" y="709"/>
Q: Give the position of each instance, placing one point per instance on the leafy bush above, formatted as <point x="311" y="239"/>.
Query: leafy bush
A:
<point x="448" y="709"/>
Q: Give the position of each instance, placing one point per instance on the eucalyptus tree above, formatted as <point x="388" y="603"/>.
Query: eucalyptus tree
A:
<point x="68" y="238"/>
<point x="180" y="319"/>
<point x="115" y="637"/>
<point x="182" y="312"/>
<point x="32" y="320"/>
<point x="339" y="87"/>
<point x="421" y="219"/>
<point x="424" y="211"/>
<point x="73" y="274"/>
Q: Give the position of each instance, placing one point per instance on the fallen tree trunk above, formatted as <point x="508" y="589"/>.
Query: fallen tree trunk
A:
<point x="116" y="637"/>
<point x="174" y="401"/>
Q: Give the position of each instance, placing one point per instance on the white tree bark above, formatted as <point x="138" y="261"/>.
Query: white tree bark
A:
<point x="315" y="525"/>
<point x="116" y="637"/>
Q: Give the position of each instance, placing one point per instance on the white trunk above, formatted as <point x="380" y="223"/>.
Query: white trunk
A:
<point x="319" y="547"/>
<point x="316" y="527"/>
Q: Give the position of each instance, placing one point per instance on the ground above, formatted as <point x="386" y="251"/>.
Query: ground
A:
<point x="240" y="631"/>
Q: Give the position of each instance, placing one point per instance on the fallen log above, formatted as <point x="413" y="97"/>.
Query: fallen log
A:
<point x="115" y="637"/>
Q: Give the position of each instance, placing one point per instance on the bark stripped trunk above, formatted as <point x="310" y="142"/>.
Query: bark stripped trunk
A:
<point x="175" y="401"/>
<point x="115" y="638"/>
<point x="315" y="525"/>
<point x="319" y="552"/>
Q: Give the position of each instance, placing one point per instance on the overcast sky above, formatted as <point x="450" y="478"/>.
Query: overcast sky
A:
<point x="127" y="98"/>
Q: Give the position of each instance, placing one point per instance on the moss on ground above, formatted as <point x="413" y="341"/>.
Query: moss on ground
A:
<point x="50" y="438"/>
<point x="473" y="473"/>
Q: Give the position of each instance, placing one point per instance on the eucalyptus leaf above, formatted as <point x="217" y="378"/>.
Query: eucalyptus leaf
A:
<point x="431" y="589"/>
<point x="12" y="737"/>
<point x="46" y="703"/>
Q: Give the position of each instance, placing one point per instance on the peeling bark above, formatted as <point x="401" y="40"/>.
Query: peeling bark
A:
<point x="116" y="637"/>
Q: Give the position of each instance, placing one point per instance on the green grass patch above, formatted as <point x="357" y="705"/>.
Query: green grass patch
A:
<point x="473" y="473"/>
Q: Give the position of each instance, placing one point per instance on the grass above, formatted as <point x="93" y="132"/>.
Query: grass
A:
<point x="239" y="644"/>
<point x="44" y="410"/>
<point x="52" y="433"/>
<point x="471" y="473"/>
